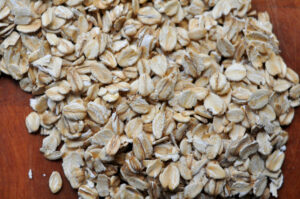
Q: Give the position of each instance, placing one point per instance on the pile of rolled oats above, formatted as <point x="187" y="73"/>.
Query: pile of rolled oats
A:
<point x="153" y="99"/>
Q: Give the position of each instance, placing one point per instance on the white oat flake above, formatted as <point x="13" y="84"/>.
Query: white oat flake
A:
<point x="30" y="176"/>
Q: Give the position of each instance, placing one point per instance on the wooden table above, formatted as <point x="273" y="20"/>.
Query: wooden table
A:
<point x="19" y="151"/>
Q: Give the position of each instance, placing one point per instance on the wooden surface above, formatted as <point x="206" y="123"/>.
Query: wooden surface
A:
<point x="19" y="151"/>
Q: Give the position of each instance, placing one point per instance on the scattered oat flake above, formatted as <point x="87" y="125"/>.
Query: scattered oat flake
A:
<point x="30" y="176"/>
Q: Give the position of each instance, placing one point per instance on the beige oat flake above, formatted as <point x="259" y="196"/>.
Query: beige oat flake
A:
<point x="33" y="122"/>
<point x="55" y="182"/>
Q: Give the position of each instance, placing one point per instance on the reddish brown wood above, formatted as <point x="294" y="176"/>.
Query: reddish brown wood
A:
<point x="19" y="151"/>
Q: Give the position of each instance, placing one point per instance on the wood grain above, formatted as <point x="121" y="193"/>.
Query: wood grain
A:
<point x="19" y="151"/>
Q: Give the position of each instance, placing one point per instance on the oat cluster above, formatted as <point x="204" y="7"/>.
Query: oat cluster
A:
<point x="153" y="99"/>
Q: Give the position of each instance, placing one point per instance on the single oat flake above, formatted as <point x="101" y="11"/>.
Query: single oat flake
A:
<point x="55" y="182"/>
<point x="153" y="99"/>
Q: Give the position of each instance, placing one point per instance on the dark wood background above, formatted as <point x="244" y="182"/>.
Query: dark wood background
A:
<point x="19" y="151"/>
